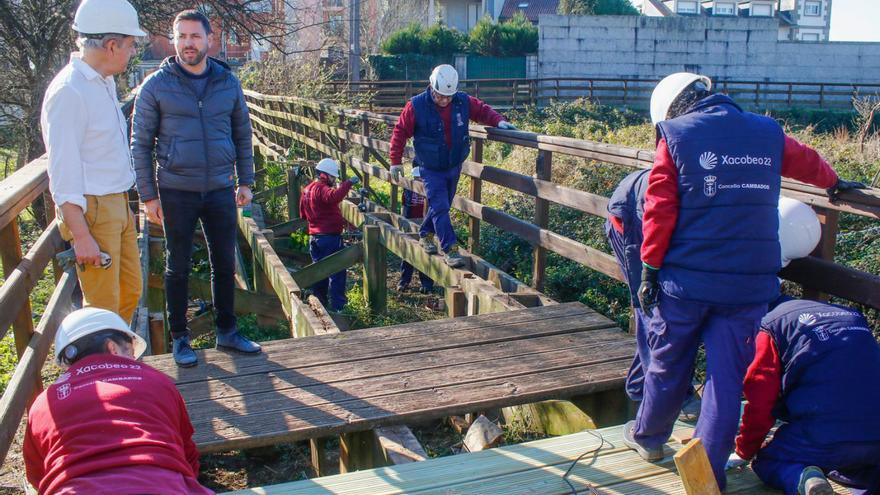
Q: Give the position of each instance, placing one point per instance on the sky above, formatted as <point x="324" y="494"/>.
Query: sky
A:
<point x="855" y="20"/>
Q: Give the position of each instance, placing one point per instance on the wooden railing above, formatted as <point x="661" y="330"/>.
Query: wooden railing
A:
<point x="324" y="130"/>
<point x="513" y="93"/>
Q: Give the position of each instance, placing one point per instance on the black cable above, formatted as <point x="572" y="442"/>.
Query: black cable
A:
<point x="593" y="450"/>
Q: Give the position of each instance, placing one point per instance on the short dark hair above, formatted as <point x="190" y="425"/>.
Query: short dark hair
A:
<point x="95" y="343"/>
<point x="695" y="92"/>
<point x="194" y="15"/>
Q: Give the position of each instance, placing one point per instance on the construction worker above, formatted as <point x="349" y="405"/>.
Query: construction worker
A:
<point x="413" y="205"/>
<point x="816" y="369"/>
<point x="109" y="424"/>
<point x="191" y="115"/>
<point x="710" y="254"/>
<point x="319" y="205"/>
<point x="89" y="162"/>
<point x="437" y="120"/>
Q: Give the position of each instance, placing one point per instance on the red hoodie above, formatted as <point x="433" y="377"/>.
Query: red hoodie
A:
<point x="319" y="205"/>
<point x="104" y="422"/>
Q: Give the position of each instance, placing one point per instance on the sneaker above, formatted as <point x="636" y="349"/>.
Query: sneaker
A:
<point x="650" y="455"/>
<point x="235" y="341"/>
<point x="183" y="352"/>
<point x="452" y="257"/>
<point x="427" y="244"/>
<point x="813" y="482"/>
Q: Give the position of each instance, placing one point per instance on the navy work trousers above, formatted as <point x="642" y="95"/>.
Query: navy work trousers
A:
<point x="321" y="246"/>
<point x="406" y="273"/>
<point x="780" y="463"/>
<point x="217" y="212"/>
<point x="673" y="334"/>
<point x="440" y="187"/>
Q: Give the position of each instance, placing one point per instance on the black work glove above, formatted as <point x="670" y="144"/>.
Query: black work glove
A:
<point x="843" y="185"/>
<point x="649" y="289"/>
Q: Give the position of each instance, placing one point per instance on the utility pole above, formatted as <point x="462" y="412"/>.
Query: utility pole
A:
<point x="354" y="38"/>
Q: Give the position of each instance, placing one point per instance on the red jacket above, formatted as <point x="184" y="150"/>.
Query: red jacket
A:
<point x="105" y="414"/>
<point x="799" y="162"/>
<point x="319" y="205"/>
<point x="480" y="113"/>
<point x="762" y="386"/>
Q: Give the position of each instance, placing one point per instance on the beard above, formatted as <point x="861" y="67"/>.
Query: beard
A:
<point x="191" y="59"/>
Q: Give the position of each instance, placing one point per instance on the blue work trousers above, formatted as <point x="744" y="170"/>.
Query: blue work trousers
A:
<point x="321" y="246"/>
<point x="440" y="187"/>
<point x="406" y="273"/>
<point x="780" y="463"/>
<point x="673" y="334"/>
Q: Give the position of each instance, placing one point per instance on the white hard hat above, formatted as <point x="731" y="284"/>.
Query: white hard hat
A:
<point x="416" y="172"/>
<point x="799" y="229"/>
<point x="329" y="167"/>
<point x="86" y="321"/>
<point x="667" y="91"/>
<point x="107" y="16"/>
<point x="444" y="80"/>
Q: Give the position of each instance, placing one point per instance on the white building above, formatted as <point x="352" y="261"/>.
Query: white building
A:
<point x="464" y="14"/>
<point x="799" y="20"/>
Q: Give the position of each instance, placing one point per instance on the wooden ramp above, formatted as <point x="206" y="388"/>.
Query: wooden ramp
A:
<point x="354" y="381"/>
<point x="531" y="468"/>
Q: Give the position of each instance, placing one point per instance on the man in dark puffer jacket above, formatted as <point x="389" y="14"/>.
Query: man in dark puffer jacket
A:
<point x="192" y="113"/>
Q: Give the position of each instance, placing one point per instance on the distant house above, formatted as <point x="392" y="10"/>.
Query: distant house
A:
<point x="530" y="8"/>
<point x="799" y="20"/>
<point x="464" y="14"/>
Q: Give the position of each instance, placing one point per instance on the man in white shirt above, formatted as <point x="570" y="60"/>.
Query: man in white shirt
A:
<point x="90" y="169"/>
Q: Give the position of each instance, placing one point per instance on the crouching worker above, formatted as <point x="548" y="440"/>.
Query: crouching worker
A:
<point x="109" y="424"/>
<point x="413" y="207"/>
<point x="319" y="205"/>
<point x="816" y="369"/>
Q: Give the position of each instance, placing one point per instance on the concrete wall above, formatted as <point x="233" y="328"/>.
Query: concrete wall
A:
<point x="726" y="48"/>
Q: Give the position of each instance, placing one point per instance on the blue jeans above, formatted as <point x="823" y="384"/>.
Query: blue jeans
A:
<point x="780" y="463"/>
<point x="321" y="246"/>
<point x="440" y="186"/>
<point x="673" y="334"/>
<point x="217" y="212"/>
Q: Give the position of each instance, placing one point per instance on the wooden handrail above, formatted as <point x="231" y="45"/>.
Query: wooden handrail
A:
<point x="21" y="188"/>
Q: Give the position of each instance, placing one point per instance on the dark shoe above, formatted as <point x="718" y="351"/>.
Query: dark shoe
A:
<point x="427" y="244"/>
<point x="183" y="353"/>
<point x="452" y="257"/>
<point x="235" y="341"/>
<point x="402" y="288"/>
<point x="650" y="455"/>
<point x="813" y="482"/>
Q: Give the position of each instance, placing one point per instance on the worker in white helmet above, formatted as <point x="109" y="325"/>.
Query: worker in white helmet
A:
<point x="710" y="254"/>
<point x="90" y="172"/>
<point x="438" y="120"/>
<point x="109" y="424"/>
<point x="319" y="206"/>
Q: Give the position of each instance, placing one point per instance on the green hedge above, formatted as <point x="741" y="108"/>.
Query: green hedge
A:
<point x="409" y="67"/>
<point x="513" y="38"/>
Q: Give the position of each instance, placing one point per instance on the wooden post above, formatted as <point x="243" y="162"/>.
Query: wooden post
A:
<point x="344" y="145"/>
<point x="156" y="296"/>
<point x="318" y="447"/>
<point x="262" y="283"/>
<point x="10" y="253"/>
<point x="375" y="270"/>
<point x="456" y="302"/>
<point x="365" y="154"/>
<point x="542" y="218"/>
<point x="825" y="249"/>
<point x="293" y="193"/>
<point x="476" y="195"/>
<point x="50" y="215"/>
<point x="357" y="451"/>
<point x="695" y="471"/>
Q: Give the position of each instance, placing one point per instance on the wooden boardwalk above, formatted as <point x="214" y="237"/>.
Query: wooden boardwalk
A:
<point x="354" y="381"/>
<point x="531" y="468"/>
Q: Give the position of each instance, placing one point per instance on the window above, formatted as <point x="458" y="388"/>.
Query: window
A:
<point x="335" y="25"/>
<point x="810" y="37"/>
<point x="687" y="7"/>
<point x="761" y="10"/>
<point x="813" y="8"/>
<point x="724" y="9"/>
<point x="473" y="11"/>
<point x="333" y="3"/>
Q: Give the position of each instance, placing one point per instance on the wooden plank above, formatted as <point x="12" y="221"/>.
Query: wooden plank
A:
<point x="475" y="193"/>
<point x="17" y="287"/>
<point x="21" y="188"/>
<point x="825" y="249"/>
<point x="695" y="471"/>
<point x="246" y="302"/>
<point x="375" y="271"/>
<point x="10" y="254"/>
<point x="399" y="445"/>
<point x="338" y="261"/>
<point x="289" y="227"/>
<point x="25" y="378"/>
<point x="841" y="281"/>
<point x="543" y="166"/>
<point x="241" y="278"/>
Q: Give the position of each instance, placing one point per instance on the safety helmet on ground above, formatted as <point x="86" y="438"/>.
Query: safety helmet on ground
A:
<point x="444" y="80"/>
<point x="799" y="230"/>
<point x="329" y="167"/>
<point x="669" y="89"/>
<point x="416" y="172"/>
<point x="87" y="321"/>
<point x="107" y="16"/>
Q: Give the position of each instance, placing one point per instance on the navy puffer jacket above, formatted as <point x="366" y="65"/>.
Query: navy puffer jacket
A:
<point x="201" y="141"/>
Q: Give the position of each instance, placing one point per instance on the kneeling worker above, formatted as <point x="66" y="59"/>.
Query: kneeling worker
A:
<point x="319" y="205"/>
<point x="109" y="423"/>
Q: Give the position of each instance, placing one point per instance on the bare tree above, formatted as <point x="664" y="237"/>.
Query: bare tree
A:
<point x="866" y="108"/>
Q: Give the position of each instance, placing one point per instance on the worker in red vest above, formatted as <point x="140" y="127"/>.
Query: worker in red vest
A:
<point x="413" y="207"/>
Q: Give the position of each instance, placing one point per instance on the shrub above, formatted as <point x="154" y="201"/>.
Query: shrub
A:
<point x="440" y="40"/>
<point x="518" y="36"/>
<point x="407" y="40"/>
<point x="485" y="38"/>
